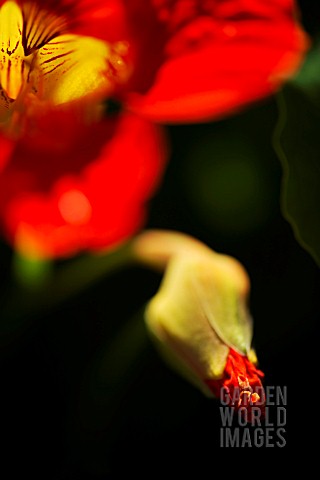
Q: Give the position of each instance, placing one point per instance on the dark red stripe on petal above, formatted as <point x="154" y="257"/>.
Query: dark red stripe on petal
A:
<point x="41" y="25"/>
<point x="52" y="59"/>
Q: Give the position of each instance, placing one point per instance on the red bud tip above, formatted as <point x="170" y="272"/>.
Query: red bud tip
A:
<point x="240" y="387"/>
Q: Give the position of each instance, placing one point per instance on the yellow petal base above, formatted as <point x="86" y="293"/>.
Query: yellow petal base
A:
<point x="40" y="58"/>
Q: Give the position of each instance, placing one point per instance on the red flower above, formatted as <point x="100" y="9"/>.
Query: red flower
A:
<point x="73" y="178"/>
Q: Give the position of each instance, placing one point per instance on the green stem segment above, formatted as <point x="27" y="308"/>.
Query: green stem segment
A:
<point x="152" y="248"/>
<point x="20" y="303"/>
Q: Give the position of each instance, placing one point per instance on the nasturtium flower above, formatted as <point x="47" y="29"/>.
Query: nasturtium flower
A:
<point x="71" y="177"/>
<point x="200" y="319"/>
<point x="75" y="172"/>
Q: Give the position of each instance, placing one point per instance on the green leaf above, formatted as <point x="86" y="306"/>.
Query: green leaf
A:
<point x="297" y="142"/>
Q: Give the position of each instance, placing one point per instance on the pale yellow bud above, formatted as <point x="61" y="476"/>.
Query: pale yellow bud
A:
<point x="200" y="310"/>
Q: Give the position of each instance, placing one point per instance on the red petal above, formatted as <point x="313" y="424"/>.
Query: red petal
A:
<point x="98" y="18"/>
<point x="83" y="187"/>
<point x="6" y="147"/>
<point x="101" y="19"/>
<point x="218" y="62"/>
<point x="240" y="387"/>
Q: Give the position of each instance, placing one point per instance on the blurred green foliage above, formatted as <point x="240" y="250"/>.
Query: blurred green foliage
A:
<point x="297" y="142"/>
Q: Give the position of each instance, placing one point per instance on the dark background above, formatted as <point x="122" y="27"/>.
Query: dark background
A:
<point x="83" y="392"/>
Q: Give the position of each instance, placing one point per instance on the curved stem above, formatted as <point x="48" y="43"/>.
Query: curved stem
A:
<point x="155" y="248"/>
<point x="151" y="248"/>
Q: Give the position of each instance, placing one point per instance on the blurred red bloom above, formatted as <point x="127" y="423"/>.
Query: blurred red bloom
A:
<point x="73" y="178"/>
<point x="214" y="56"/>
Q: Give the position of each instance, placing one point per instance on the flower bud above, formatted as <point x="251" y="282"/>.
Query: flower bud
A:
<point x="201" y="324"/>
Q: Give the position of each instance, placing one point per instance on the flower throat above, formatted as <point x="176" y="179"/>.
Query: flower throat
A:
<point x="40" y="58"/>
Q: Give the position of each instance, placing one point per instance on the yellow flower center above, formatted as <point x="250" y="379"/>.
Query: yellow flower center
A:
<point x="39" y="57"/>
